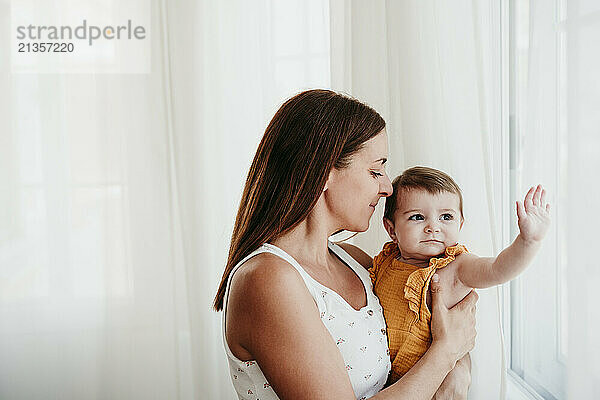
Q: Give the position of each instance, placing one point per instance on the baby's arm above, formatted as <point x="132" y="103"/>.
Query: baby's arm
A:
<point x="534" y="219"/>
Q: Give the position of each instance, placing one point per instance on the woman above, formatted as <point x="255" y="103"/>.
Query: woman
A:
<point x="300" y="317"/>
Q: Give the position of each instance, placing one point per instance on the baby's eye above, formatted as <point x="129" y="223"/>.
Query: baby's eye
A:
<point x="446" y="217"/>
<point x="416" y="217"/>
<point x="376" y="174"/>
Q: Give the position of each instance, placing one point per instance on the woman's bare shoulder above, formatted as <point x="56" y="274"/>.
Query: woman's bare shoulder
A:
<point x="277" y="323"/>
<point x="262" y="272"/>
<point x="260" y="283"/>
<point x="355" y="252"/>
<point x="263" y="286"/>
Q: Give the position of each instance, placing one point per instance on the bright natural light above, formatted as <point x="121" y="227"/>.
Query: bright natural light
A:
<point x="123" y="162"/>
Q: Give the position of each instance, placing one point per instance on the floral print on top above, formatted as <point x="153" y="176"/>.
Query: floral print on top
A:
<point x="360" y="335"/>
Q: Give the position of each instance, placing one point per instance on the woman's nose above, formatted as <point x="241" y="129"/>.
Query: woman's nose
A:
<point x="385" y="187"/>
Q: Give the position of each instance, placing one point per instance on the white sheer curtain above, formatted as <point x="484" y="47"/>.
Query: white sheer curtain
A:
<point x="427" y="67"/>
<point x="232" y="64"/>
<point x="92" y="279"/>
<point x="118" y="195"/>
<point x="555" y="323"/>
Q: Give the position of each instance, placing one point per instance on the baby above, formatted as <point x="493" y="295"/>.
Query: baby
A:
<point x="423" y="218"/>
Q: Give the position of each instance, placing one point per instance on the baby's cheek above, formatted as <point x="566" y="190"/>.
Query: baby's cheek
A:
<point x="453" y="237"/>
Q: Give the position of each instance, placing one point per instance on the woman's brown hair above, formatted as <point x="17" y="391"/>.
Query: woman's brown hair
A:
<point x="310" y="134"/>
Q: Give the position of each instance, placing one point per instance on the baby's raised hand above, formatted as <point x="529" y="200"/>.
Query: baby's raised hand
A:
<point x="534" y="214"/>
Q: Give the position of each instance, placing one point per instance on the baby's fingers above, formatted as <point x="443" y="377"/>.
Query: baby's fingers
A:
<point x="520" y="210"/>
<point x="536" y="195"/>
<point x="543" y="199"/>
<point x="529" y="196"/>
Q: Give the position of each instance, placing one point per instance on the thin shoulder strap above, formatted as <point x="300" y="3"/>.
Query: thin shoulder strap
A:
<point x="361" y="271"/>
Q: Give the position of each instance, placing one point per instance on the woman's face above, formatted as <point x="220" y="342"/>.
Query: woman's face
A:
<point x="353" y="192"/>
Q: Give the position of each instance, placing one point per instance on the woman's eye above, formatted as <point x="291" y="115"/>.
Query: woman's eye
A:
<point x="416" y="217"/>
<point x="376" y="174"/>
<point x="446" y="217"/>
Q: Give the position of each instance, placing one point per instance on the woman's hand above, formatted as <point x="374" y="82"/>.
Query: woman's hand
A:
<point x="452" y="329"/>
<point x="457" y="382"/>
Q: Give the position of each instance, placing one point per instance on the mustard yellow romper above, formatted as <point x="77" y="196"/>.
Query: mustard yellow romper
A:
<point x="402" y="290"/>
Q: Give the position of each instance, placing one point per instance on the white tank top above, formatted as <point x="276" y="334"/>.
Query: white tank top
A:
<point x="359" y="334"/>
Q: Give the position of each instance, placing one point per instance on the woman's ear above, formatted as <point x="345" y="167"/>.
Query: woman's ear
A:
<point x="390" y="229"/>
<point x="330" y="178"/>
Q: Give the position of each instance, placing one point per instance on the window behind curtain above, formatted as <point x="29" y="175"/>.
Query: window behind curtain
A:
<point x="538" y="154"/>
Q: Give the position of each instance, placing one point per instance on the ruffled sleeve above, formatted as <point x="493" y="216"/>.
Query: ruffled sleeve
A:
<point x="449" y="256"/>
<point x="415" y="290"/>
<point x="388" y="253"/>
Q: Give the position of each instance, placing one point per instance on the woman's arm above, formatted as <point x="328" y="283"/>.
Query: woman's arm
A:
<point x="456" y="384"/>
<point x="274" y="319"/>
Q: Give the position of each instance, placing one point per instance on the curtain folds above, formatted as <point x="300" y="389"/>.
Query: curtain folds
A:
<point x="119" y="194"/>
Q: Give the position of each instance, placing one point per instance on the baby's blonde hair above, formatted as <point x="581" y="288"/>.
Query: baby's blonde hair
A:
<point x="430" y="179"/>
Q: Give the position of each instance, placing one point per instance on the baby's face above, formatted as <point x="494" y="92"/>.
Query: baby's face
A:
<point x="424" y="223"/>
